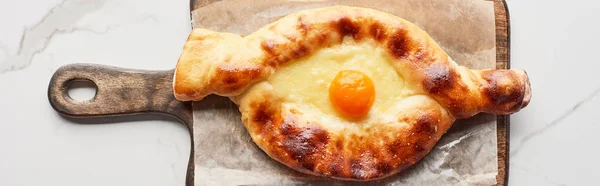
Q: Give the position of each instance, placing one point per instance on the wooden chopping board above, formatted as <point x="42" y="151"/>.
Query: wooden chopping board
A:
<point x="118" y="89"/>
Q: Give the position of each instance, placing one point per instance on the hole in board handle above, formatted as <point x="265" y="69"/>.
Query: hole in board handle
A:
<point x="82" y="90"/>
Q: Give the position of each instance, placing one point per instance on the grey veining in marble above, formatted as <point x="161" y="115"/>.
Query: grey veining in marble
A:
<point x="552" y="139"/>
<point x="39" y="147"/>
<point x="523" y="141"/>
<point x="59" y="20"/>
<point x="62" y="19"/>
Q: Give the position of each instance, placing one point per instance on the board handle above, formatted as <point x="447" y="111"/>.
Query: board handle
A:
<point x="119" y="91"/>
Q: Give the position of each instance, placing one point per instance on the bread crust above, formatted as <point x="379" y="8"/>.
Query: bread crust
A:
<point x="238" y="66"/>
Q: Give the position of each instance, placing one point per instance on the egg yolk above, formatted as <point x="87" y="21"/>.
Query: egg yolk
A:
<point x="352" y="93"/>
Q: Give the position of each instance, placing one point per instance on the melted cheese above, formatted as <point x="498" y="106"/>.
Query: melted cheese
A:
<point x="306" y="81"/>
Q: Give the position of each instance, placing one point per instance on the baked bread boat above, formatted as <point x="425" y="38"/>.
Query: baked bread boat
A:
<point x="344" y="92"/>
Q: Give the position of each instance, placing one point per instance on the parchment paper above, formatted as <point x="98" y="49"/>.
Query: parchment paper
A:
<point x="466" y="155"/>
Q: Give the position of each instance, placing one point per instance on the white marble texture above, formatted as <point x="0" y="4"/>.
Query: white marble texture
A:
<point x="552" y="140"/>
<point x="41" y="148"/>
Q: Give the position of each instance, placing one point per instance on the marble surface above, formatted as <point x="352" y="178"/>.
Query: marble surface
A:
<point x="550" y="139"/>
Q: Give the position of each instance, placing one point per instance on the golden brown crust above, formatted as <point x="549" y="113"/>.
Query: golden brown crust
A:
<point x="376" y="150"/>
<point x="230" y="65"/>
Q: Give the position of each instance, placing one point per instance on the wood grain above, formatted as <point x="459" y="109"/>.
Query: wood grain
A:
<point x="127" y="92"/>
<point x="502" y="22"/>
<point x="502" y="62"/>
<point x="120" y="92"/>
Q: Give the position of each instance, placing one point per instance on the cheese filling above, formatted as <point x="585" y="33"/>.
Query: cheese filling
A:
<point x="306" y="81"/>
